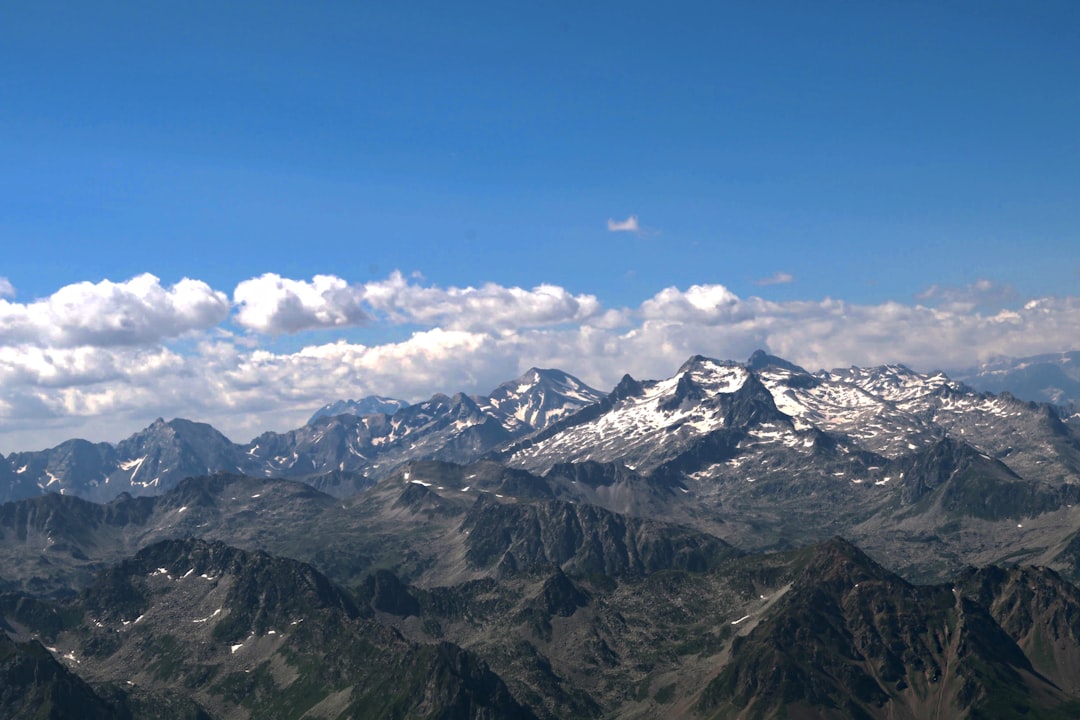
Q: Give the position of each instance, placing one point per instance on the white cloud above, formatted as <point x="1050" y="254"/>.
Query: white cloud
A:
<point x="489" y="307"/>
<point x="466" y="339"/>
<point x="630" y="224"/>
<point x="707" y="304"/>
<point x="6" y="288"/>
<point x="275" y="305"/>
<point x="777" y="278"/>
<point x="108" y="314"/>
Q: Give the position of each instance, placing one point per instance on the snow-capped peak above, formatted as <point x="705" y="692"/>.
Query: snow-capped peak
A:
<point x="648" y="421"/>
<point x="538" y="398"/>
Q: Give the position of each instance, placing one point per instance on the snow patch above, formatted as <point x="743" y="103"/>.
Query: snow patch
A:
<point x="207" y="618"/>
<point x="132" y="464"/>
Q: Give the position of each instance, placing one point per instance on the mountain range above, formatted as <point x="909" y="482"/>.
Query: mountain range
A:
<point x="670" y="548"/>
<point x="340" y="453"/>
<point x="1052" y="378"/>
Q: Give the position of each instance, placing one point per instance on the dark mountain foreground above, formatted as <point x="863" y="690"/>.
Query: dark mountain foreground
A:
<point x="193" y="629"/>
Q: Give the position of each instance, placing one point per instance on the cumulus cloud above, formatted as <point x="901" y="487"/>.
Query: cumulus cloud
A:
<point x="830" y="333"/>
<point x="630" y="224"/>
<point x="706" y="304"/>
<point x="107" y="314"/>
<point x="275" y="305"/>
<point x="464" y="339"/>
<point x="777" y="278"/>
<point x="6" y="288"/>
<point x="489" y="307"/>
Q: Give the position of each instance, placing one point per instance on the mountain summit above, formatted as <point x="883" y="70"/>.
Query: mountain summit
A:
<point x="538" y="398"/>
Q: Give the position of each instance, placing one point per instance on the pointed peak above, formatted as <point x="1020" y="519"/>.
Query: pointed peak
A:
<point x="702" y="365"/>
<point x="699" y="362"/>
<point x="837" y="559"/>
<point x="761" y="360"/>
<point x="627" y="387"/>
<point x="535" y="376"/>
<point x="462" y="401"/>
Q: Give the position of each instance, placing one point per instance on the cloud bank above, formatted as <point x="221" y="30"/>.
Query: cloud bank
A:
<point x="100" y="360"/>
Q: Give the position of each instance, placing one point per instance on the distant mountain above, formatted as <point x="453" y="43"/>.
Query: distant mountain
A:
<point x="716" y="419"/>
<point x="342" y="453"/>
<point x="646" y="424"/>
<point x="371" y="405"/>
<point x="538" y="398"/>
<point x="1052" y="378"/>
<point x="146" y="463"/>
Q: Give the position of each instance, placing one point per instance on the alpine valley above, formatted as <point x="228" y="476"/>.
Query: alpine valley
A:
<point x="739" y="540"/>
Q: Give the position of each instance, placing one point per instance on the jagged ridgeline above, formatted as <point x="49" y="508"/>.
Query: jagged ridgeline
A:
<point x="669" y="549"/>
<point x="190" y="628"/>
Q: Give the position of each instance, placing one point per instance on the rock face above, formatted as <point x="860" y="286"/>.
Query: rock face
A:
<point x="852" y="640"/>
<point x="585" y="614"/>
<point x="582" y="539"/>
<point x="34" y="685"/>
<point x="242" y="633"/>
<point x="1037" y="609"/>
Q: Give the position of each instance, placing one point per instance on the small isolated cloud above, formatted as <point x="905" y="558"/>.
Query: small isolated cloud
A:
<point x="630" y="224"/>
<point x="6" y="288"/>
<point x="275" y="305"/>
<point x="778" y="278"/>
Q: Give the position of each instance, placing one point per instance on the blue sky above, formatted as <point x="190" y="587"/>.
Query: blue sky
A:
<point x="916" y="162"/>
